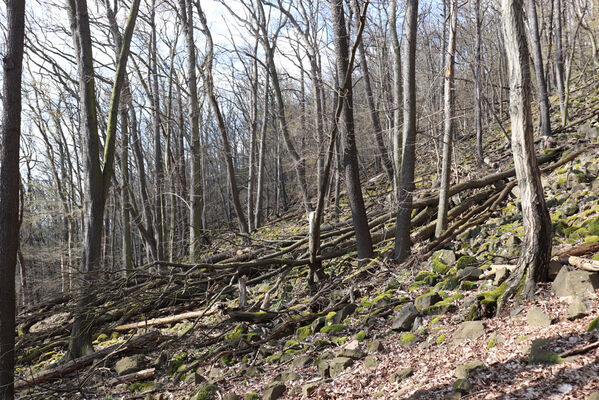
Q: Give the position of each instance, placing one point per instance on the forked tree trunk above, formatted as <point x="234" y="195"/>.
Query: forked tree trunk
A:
<point x="9" y="189"/>
<point x="536" y="247"/>
<point x="403" y="224"/>
<point x="448" y="116"/>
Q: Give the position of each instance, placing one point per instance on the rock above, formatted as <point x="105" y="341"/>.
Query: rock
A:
<point x="205" y="391"/>
<point x="376" y="346"/>
<point x="469" y="330"/>
<point x="554" y="269"/>
<point x="447" y="257"/>
<point x="402" y="374"/>
<point x="339" y="364"/>
<point x="231" y="396"/>
<point x="463" y="386"/>
<point x="537" y="318"/>
<point x="594" y="396"/>
<point x="161" y="361"/>
<point x="308" y="389"/>
<point x="539" y="354"/>
<point x="578" y="308"/>
<point x="574" y="283"/>
<point x="344" y="313"/>
<point x="197" y="377"/>
<point x="287" y="377"/>
<point x="323" y="368"/>
<point x="426" y="300"/>
<point x="318" y="323"/>
<point x="216" y="375"/>
<point x="500" y="276"/>
<point x="466" y="370"/>
<point x="469" y="274"/>
<point x="252" y="371"/>
<point x="274" y="392"/>
<point x="418" y="324"/>
<point x="405" y="318"/>
<point x="354" y="354"/>
<point x="466" y="261"/>
<point x="370" y="362"/>
<point x="300" y="361"/>
<point x="570" y="208"/>
<point x="128" y="365"/>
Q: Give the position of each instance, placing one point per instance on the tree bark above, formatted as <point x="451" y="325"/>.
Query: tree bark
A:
<point x="536" y="247"/>
<point x="403" y="224"/>
<point x="9" y="189"/>
<point x="537" y="54"/>
<point x="397" y="140"/>
<point x="350" y="152"/>
<point x="559" y="59"/>
<point x="448" y="116"/>
<point x="477" y="82"/>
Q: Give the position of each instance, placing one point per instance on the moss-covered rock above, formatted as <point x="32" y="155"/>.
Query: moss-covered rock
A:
<point x="236" y="334"/>
<point x="591" y="239"/>
<point x="331" y="329"/>
<point x="592" y="226"/>
<point x="441" y="339"/>
<point x="361" y="336"/>
<point x="427" y="278"/>
<point x="594" y="325"/>
<point x="407" y="338"/>
<point x="466" y="261"/>
<point x="442" y="261"/>
<point x="205" y="391"/>
<point x="303" y="332"/>
<point x="539" y="354"/>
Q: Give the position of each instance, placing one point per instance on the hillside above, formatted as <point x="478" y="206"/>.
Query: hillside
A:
<point x="423" y="330"/>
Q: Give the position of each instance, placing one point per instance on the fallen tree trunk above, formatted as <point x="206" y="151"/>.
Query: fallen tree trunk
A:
<point x="134" y="377"/>
<point x="165" y="320"/>
<point x="581" y="263"/>
<point x="579" y="250"/>
<point x="73" y="365"/>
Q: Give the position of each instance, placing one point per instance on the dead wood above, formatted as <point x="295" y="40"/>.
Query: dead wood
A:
<point x="73" y="365"/>
<point x="165" y="320"/>
<point x="579" y="350"/>
<point x="134" y="377"/>
<point x="581" y="263"/>
<point x="578" y="250"/>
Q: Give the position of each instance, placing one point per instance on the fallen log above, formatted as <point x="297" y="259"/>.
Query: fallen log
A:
<point x="23" y="382"/>
<point x="579" y="350"/>
<point x="164" y="320"/>
<point x="134" y="377"/>
<point x="581" y="263"/>
<point x="577" y="251"/>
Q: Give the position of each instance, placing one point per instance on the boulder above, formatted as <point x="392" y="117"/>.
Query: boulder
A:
<point x="231" y="396"/>
<point x="401" y="374"/>
<point x="344" y="313"/>
<point x="594" y="396"/>
<point x="405" y="318"/>
<point x="128" y="365"/>
<point x="463" y="386"/>
<point x="274" y="392"/>
<point x="318" y="323"/>
<point x="466" y="370"/>
<point x="469" y="274"/>
<point x="501" y="275"/>
<point x="539" y="354"/>
<point x="308" y="389"/>
<point x="578" y="308"/>
<point x="376" y="346"/>
<point x="354" y="354"/>
<point x="574" y="283"/>
<point x="339" y="364"/>
<point x="426" y="300"/>
<point x="216" y="375"/>
<point x="537" y="318"/>
<point x="469" y="330"/>
<point x="251" y="372"/>
<point x="554" y="268"/>
<point x="301" y="361"/>
<point x="287" y="377"/>
<point x="323" y="368"/>
<point x="370" y="362"/>
<point x="205" y="391"/>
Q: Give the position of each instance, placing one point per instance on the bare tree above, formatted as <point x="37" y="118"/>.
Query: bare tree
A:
<point x="536" y="247"/>
<point x="448" y="120"/>
<point x="406" y="187"/>
<point x="10" y="137"/>
<point x="350" y="150"/>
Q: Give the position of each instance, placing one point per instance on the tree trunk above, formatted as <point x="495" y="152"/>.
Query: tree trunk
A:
<point x="9" y="189"/>
<point x="261" y="156"/>
<point x="559" y="60"/>
<point x="477" y="81"/>
<point x="397" y="141"/>
<point x="406" y="189"/>
<point x="448" y="116"/>
<point x="209" y="82"/>
<point x="193" y="112"/>
<point x="536" y="247"/>
<point x="537" y="54"/>
<point x="350" y="153"/>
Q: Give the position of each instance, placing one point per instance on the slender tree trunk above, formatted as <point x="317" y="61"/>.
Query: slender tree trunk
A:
<point x="209" y="82"/>
<point x="374" y="115"/>
<point x="258" y="214"/>
<point x="193" y="111"/>
<point x="406" y="189"/>
<point x="559" y="60"/>
<point x="9" y="189"/>
<point x="537" y="55"/>
<point x="350" y="154"/>
<point x="448" y="116"/>
<point x="477" y="82"/>
<point x="252" y="145"/>
<point x="536" y="247"/>
<point x="397" y="89"/>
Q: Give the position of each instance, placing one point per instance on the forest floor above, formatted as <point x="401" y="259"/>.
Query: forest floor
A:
<point x="425" y="330"/>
